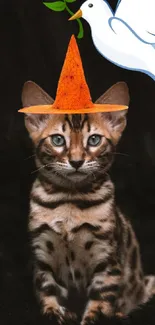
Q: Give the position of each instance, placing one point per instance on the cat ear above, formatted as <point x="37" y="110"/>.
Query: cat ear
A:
<point x="32" y="94"/>
<point x="116" y="121"/>
<point x="117" y="94"/>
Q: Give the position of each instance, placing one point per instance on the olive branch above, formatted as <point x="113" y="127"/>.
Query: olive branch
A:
<point x="61" y="6"/>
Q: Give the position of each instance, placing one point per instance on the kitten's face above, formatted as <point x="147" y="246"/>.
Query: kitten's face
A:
<point x="76" y="148"/>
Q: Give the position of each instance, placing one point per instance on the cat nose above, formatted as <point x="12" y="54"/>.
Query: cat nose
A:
<point x="76" y="163"/>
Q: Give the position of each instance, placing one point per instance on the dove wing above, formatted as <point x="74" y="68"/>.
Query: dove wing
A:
<point x="124" y="32"/>
<point x="139" y="15"/>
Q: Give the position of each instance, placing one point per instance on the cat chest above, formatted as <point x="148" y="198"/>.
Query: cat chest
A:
<point x="73" y="242"/>
<point x="67" y="218"/>
<point x="72" y="254"/>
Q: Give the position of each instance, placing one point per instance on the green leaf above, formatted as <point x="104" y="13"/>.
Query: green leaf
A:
<point x="56" y="6"/>
<point x="70" y="1"/>
<point x="81" y="31"/>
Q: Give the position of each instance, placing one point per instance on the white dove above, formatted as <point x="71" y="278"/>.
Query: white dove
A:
<point x="126" y="37"/>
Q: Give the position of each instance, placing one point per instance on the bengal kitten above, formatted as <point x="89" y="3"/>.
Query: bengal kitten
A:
<point x="86" y="256"/>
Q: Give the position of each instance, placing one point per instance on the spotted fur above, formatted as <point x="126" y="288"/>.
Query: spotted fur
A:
<point x="82" y="244"/>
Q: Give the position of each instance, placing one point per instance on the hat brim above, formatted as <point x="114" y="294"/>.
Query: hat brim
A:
<point x="49" y="109"/>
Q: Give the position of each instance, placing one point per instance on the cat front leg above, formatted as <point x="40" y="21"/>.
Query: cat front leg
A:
<point x="103" y="293"/>
<point x="50" y="293"/>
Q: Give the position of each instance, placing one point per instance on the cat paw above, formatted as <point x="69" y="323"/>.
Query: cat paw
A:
<point x="91" y="316"/>
<point x="57" y="313"/>
<point x="61" y="315"/>
<point x="98" y="318"/>
<point x="89" y="320"/>
<point x="95" y="312"/>
<point x="119" y="315"/>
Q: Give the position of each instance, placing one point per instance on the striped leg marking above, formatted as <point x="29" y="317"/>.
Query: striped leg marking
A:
<point x="103" y="293"/>
<point x="48" y="291"/>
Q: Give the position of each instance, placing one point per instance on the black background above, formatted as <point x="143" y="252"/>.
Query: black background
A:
<point x="33" y="43"/>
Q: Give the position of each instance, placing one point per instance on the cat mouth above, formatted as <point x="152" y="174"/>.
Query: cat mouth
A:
<point x="77" y="172"/>
<point x="77" y="175"/>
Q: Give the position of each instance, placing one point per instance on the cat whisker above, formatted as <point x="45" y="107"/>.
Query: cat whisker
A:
<point x="91" y="165"/>
<point x="29" y="157"/>
<point x="63" y="169"/>
<point x="36" y="170"/>
<point x="61" y="164"/>
<point x="42" y="167"/>
<point x="121" y="154"/>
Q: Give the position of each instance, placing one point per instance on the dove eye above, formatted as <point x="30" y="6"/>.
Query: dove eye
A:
<point x="90" y="5"/>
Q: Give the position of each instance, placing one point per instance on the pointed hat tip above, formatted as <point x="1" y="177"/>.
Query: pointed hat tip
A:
<point x="72" y="88"/>
<point x="72" y="41"/>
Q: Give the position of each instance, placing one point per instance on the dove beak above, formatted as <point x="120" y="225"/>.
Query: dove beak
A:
<point x="78" y="14"/>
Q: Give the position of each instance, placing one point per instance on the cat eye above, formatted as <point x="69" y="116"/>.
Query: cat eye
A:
<point x="90" y="5"/>
<point x="58" y="140"/>
<point x="94" y="140"/>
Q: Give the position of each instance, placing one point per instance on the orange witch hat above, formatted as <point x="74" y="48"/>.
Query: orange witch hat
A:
<point x="73" y="96"/>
